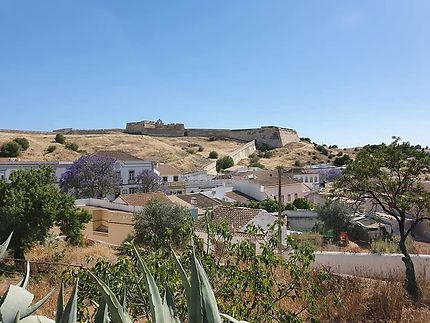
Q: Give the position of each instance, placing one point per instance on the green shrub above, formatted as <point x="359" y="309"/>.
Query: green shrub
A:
<point x="256" y="164"/>
<point x="224" y="163"/>
<point x="200" y="148"/>
<point x="213" y="154"/>
<point x="297" y="163"/>
<point x="191" y="151"/>
<point x="23" y="142"/>
<point x="340" y="161"/>
<point x="60" y="138"/>
<point x="302" y="203"/>
<point x="10" y="149"/>
<point x="51" y="149"/>
<point x="266" y="154"/>
<point x="72" y="146"/>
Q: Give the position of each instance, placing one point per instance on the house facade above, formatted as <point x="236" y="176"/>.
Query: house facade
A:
<point x="8" y="167"/>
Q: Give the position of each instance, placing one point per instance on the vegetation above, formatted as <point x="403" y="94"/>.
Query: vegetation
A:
<point x="10" y="149"/>
<point x="72" y="146"/>
<point x="254" y="161"/>
<point x="323" y="150"/>
<point x="160" y="224"/>
<point x="51" y="149"/>
<point x="335" y="217"/>
<point x="390" y="176"/>
<point x="213" y="154"/>
<point x="31" y="204"/>
<point x="269" y="280"/>
<point x="60" y="138"/>
<point x="390" y="245"/>
<point x="297" y="163"/>
<point x="305" y="139"/>
<point x="341" y="161"/>
<point x="224" y="163"/>
<point x="23" y="142"/>
<point x="200" y="148"/>
<point x="302" y="203"/>
<point x="149" y="181"/>
<point x="91" y="176"/>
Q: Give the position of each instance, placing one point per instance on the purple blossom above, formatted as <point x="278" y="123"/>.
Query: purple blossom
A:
<point x="149" y="181"/>
<point x="91" y="177"/>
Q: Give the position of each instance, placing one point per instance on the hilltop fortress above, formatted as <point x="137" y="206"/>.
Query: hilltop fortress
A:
<point x="273" y="137"/>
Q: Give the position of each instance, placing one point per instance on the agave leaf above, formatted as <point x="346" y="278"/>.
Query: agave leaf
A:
<point x="24" y="282"/>
<point x="4" y="245"/>
<point x="33" y="308"/>
<point x="169" y="307"/>
<point x="155" y="302"/>
<point x="195" y="310"/>
<point x="102" y="312"/>
<point x="183" y="275"/>
<point x="115" y="309"/>
<point x="60" y="304"/>
<point x="231" y="319"/>
<point x="210" y="306"/>
<point x="36" y="319"/>
<point x="17" y="299"/>
<point x="70" y="314"/>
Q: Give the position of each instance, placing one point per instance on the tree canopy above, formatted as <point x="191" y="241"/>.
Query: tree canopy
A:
<point x="389" y="177"/>
<point x="91" y="177"/>
<point x="149" y="181"/>
<point x="31" y="204"/>
<point x="224" y="163"/>
<point x="160" y="224"/>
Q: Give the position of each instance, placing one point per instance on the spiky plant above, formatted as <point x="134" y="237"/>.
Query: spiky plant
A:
<point x="15" y="304"/>
<point x="201" y="302"/>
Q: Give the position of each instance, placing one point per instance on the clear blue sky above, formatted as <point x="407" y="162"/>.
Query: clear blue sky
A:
<point x="340" y="72"/>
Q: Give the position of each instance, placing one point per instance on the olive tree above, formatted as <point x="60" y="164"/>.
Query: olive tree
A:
<point x="389" y="177"/>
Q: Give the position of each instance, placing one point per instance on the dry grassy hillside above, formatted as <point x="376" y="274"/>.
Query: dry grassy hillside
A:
<point x="180" y="152"/>
<point x="304" y="152"/>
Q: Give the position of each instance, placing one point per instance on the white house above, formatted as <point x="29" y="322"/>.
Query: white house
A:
<point x="264" y="184"/>
<point x="8" y="167"/>
<point x="129" y="167"/>
<point x="171" y="177"/>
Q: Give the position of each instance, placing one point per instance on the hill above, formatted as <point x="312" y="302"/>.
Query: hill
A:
<point x="181" y="152"/>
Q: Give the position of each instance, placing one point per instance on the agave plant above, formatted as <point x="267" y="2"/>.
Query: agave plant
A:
<point x="201" y="302"/>
<point x="15" y="304"/>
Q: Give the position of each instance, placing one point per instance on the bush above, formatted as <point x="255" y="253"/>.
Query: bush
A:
<point x="213" y="154"/>
<point x="302" y="203"/>
<point x="322" y="150"/>
<point x="10" y="149"/>
<point x="51" y="149"/>
<point x="23" y="142"/>
<point x="266" y="154"/>
<point x="200" y="148"/>
<point x="59" y="137"/>
<point x="191" y="151"/>
<point x="224" y="163"/>
<point x="297" y="163"/>
<point x="256" y="164"/>
<point x="72" y="146"/>
<point x="305" y="139"/>
<point x="263" y="147"/>
<point x="340" y="161"/>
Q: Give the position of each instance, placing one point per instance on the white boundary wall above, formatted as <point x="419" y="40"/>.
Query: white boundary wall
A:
<point x="387" y="266"/>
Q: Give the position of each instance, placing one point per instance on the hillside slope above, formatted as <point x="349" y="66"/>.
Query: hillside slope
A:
<point x="176" y="151"/>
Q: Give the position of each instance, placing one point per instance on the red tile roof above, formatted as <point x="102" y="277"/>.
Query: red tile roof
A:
<point x="143" y="198"/>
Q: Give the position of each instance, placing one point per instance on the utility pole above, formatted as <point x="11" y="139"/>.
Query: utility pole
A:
<point x="280" y="209"/>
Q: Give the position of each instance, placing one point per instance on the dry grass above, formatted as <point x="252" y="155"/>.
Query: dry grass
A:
<point x="160" y="149"/>
<point x="366" y="300"/>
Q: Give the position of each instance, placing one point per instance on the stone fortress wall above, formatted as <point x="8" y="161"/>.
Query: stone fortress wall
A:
<point x="273" y="137"/>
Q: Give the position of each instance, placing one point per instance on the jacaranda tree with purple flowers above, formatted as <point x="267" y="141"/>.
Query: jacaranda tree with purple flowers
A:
<point x="149" y="181"/>
<point x="91" y="177"/>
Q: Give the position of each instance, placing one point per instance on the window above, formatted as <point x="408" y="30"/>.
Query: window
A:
<point x="164" y="178"/>
<point x="295" y="195"/>
<point x="316" y="179"/>
<point x="306" y="179"/>
<point x="132" y="190"/>
<point x="131" y="175"/>
<point x="124" y="192"/>
<point x="312" y="179"/>
<point x="2" y="177"/>
<point x="282" y="198"/>
<point x="175" y="178"/>
<point x="289" y="197"/>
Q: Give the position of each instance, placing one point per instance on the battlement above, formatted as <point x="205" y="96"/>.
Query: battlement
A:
<point x="272" y="136"/>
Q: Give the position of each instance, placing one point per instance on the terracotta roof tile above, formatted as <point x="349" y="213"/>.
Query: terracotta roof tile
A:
<point x="202" y="201"/>
<point x="239" y="196"/>
<point x="235" y="217"/>
<point x="166" y="169"/>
